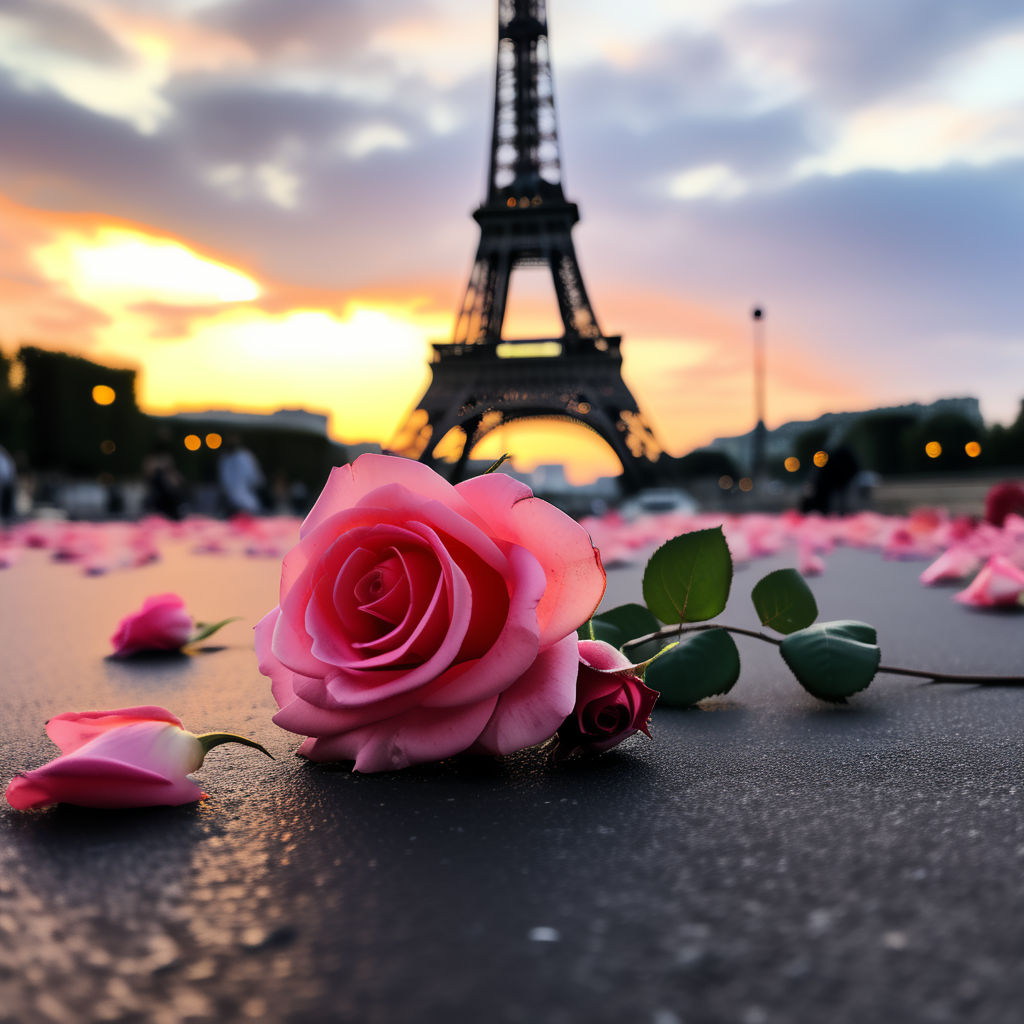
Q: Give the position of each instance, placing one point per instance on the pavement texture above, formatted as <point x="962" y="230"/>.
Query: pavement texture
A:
<point x="767" y="858"/>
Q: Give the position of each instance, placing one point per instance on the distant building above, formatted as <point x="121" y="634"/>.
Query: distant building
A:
<point x="779" y="443"/>
<point x="281" y="419"/>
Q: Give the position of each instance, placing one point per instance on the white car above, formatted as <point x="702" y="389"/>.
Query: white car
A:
<point x="656" y="501"/>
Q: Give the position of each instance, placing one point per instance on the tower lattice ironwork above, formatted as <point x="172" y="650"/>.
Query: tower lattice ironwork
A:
<point x="481" y="380"/>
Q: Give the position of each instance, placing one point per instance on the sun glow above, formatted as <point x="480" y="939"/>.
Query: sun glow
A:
<point x="116" y="264"/>
<point x="364" y="367"/>
<point x="541" y="442"/>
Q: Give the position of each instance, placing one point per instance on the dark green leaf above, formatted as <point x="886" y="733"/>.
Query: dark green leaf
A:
<point x="687" y="579"/>
<point x="833" y="660"/>
<point x="607" y="632"/>
<point x="629" y="622"/>
<point x="784" y="602"/>
<point x="702" y="665"/>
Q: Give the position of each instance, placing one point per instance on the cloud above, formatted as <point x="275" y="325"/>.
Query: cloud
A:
<point x="300" y="30"/>
<point x="62" y="28"/>
<point x="849" y="53"/>
<point x="333" y="152"/>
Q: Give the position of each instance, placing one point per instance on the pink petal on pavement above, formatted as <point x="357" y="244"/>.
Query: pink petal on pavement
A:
<point x="955" y="563"/>
<point x="1000" y="583"/>
<point x="74" y="729"/>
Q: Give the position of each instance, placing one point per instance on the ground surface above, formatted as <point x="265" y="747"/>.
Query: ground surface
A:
<point x="767" y="859"/>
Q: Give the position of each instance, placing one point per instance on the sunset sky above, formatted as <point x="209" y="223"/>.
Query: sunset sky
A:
<point x="266" y="204"/>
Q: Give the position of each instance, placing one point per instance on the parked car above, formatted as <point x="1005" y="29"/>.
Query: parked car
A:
<point x="655" y="501"/>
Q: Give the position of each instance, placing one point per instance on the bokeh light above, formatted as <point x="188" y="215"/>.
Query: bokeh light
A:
<point x="792" y="464"/>
<point x="103" y="394"/>
<point x="108" y="447"/>
<point x="746" y="484"/>
<point x="213" y="441"/>
<point x="192" y="442"/>
<point x="973" y="449"/>
<point x="725" y="482"/>
<point x="820" y="459"/>
<point x="933" y="449"/>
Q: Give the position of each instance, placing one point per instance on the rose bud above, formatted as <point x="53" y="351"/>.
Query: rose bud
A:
<point x="612" y="702"/>
<point x="162" y="624"/>
<point x="131" y="757"/>
<point x="419" y="620"/>
<point x="1002" y="500"/>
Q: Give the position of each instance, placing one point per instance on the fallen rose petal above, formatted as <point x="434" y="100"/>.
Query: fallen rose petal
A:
<point x="999" y="583"/>
<point x="955" y="563"/>
<point x="131" y="757"/>
<point x="809" y="562"/>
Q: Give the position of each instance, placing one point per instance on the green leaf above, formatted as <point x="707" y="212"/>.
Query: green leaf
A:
<point x="687" y="579"/>
<point x="207" y="629"/>
<point x="700" y="666"/>
<point x="833" y="660"/>
<point x="626" y="622"/>
<point x="784" y="602"/>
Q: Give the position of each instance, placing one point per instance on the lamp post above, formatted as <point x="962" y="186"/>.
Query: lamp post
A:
<point x="757" y="447"/>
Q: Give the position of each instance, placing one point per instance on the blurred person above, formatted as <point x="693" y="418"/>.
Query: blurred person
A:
<point x="830" y="486"/>
<point x="864" y="484"/>
<point x="8" y="485"/>
<point x="240" y="478"/>
<point x="165" y="486"/>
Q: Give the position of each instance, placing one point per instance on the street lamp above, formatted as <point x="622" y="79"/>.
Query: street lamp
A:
<point x="757" y="459"/>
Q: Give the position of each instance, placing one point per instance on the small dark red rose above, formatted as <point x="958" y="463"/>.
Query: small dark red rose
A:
<point x="612" y="702"/>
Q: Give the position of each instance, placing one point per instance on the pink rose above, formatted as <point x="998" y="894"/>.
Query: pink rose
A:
<point x="132" y="757"/>
<point x="162" y="624"/>
<point x="418" y="620"/>
<point x="612" y="702"/>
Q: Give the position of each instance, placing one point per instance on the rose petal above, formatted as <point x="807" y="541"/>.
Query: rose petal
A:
<point x="955" y="563"/>
<point x="601" y="655"/>
<point x="74" y="729"/>
<point x="1000" y="582"/>
<point x="418" y="736"/>
<point x="531" y="710"/>
<point x="511" y="652"/>
<point x="98" y="782"/>
<point x="348" y="486"/>
<point x="575" y="576"/>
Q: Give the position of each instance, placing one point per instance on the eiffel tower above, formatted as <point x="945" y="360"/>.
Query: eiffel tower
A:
<point x="481" y="380"/>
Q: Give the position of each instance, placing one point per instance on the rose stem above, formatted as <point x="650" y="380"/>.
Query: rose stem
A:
<point x="936" y="677"/>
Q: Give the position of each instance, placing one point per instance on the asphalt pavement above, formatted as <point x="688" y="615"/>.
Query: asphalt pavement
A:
<point x="764" y="859"/>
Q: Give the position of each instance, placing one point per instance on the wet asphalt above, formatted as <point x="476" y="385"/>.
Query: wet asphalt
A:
<point x="764" y="859"/>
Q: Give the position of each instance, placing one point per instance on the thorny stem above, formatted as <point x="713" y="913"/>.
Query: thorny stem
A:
<point x="668" y="632"/>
